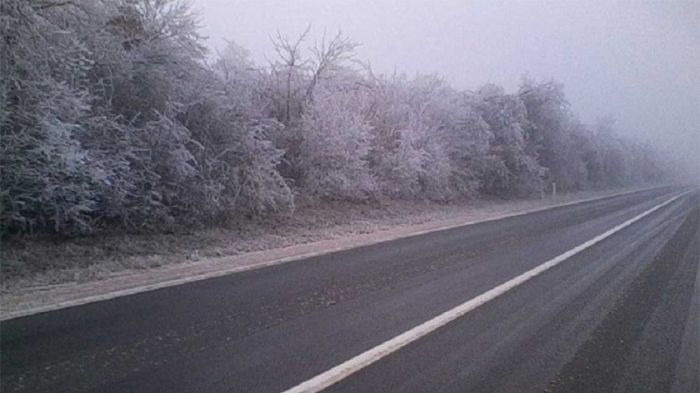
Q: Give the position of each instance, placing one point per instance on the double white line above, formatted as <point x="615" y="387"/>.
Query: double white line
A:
<point x="370" y="356"/>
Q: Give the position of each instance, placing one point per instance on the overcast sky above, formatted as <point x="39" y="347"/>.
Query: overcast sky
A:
<point x="639" y="61"/>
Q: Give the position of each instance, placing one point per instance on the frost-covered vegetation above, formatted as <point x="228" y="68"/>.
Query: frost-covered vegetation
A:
<point x="112" y="116"/>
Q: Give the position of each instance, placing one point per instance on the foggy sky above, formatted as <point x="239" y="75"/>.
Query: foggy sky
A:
<point x="639" y="61"/>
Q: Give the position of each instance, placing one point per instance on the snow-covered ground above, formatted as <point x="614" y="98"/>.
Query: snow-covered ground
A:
<point x="90" y="269"/>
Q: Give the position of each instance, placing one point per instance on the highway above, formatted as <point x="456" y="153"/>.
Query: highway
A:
<point x="468" y="309"/>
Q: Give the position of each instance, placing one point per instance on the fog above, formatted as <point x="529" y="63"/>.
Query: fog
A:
<point x="637" y="61"/>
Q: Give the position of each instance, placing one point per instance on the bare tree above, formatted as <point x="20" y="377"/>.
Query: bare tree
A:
<point x="291" y="61"/>
<point x="329" y="56"/>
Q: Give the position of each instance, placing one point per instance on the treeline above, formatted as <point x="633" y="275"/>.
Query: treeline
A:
<point x="112" y="115"/>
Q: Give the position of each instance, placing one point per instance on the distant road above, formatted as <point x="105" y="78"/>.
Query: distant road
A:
<point x="620" y="315"/>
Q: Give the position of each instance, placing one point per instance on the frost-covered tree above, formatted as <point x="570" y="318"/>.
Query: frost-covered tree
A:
<point x="49" y="181"/>
<point x="290" y="83"/>
<point x="236" y="159"/>
<point x="509" y="169"/>
<point x="104" y="122"/>
<point x="410" y="157"/>
<point x="335" y="146"/>
<point x="550" y="130"/>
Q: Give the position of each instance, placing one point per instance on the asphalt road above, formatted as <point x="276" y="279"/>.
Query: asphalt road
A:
<point x="619" y="316"/>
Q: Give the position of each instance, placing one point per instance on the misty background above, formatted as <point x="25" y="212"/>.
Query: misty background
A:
<point x="635" y="60"/>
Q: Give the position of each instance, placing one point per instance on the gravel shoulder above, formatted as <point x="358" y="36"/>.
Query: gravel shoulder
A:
<point x="43" y="274"/>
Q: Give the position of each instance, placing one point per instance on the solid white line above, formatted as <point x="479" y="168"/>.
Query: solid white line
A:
<point x="231" y="270"/>
<point x="370" y="356"/>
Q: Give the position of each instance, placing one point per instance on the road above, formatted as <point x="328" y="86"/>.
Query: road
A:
<point x="620" y="315"/>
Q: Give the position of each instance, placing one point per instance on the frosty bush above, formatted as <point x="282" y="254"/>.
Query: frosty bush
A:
<point x="335" y="144"/>
<point x="509" y="169"/>
<point x="412" y="121"/>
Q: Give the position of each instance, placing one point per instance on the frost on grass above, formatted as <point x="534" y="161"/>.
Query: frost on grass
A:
<point x="319" y="227"/>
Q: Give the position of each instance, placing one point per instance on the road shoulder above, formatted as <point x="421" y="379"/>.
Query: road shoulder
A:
<point x="28" y="300"/>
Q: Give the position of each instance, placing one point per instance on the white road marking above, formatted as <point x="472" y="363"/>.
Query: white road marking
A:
<point x="4" y="316"/>
<point x="370" y="356"/>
